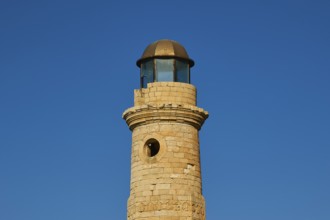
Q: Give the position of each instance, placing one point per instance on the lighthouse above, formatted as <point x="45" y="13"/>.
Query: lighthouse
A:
<point x="166" y="181"/>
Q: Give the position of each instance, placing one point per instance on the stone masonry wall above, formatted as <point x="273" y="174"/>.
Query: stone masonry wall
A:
<point x="165" y="92"/>
<point x="166" y="186"/>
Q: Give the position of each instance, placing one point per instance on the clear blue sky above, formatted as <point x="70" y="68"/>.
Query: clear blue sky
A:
<point x="67" y="72"/>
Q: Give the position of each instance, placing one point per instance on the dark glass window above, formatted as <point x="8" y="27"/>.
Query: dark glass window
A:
<point x="164" y="70"/>
<point x="147" y="73"/>
<point x="182" y="71"/>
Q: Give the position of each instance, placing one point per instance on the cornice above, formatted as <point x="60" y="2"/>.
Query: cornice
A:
<point x="147" y="114"/>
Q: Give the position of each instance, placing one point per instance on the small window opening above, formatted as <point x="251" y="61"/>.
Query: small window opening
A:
<point x="152" y="147"/>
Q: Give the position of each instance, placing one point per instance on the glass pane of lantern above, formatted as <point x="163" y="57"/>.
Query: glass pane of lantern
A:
<point x="164" y="70"/>
<point x="147" y="73"/>
<point x="182" y="71"/>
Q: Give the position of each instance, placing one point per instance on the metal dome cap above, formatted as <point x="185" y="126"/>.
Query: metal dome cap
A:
<point x="165" y="49"/>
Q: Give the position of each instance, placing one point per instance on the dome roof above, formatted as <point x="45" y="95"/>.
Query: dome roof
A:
<point x="165" y="49"/>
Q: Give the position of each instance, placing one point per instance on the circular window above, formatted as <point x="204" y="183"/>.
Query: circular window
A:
<point x="151" y="147"/>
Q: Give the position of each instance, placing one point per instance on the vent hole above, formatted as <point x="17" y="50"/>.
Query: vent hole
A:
<point x="152" y="147"/>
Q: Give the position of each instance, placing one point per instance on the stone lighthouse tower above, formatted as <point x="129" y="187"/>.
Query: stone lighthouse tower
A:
<point x="166" y="179"/>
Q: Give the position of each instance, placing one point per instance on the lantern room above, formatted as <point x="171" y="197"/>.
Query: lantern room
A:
<point x="164" y="61"/>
